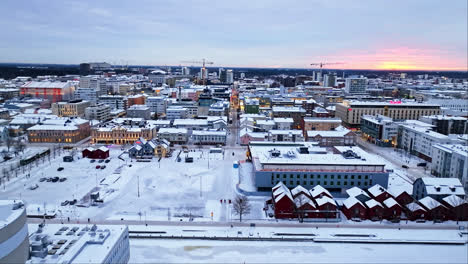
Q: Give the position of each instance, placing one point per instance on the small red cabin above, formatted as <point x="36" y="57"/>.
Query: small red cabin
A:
<point x="353" y="208"/>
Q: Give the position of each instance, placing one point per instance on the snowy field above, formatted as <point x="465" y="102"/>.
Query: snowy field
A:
<point x="202" y="251"/>
<point x="133" y="190"/>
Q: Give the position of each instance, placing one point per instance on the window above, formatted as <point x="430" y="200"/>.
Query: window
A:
<point x="366" y="177"/>
<point x="332" y="176"/>
<point x="305" y="176"/>
<point x="339" y="176"/>
<point x="304" y="183"/>
<point x="325" y="176"/>
<point x="291" y="182"/>
<point x="284" y="176"/>
<point x="345" y="183"/>
<point x="324" y="183"/>
<point x="318" y="176"/>
<point x="298" y="182"/>
<point x="346" y="177"/>
<point x="359" y="177"/>
<point x="338" y="183"/>
<point x="352" y="177"/>
<point x="352" y="183"/>
<point x="292" y="176"/>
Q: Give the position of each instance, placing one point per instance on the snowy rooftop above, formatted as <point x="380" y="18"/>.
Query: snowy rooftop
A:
<point x="190" y="122"/>
<point x="454" y="200"/>
<point x="283" y="120"/>
<point x="288" y="109"/>
<point x="318" y="190"/>
<point x="355" y="191"/>
<point x="323" y="200"/>
<point x="84" y="245"/>
<point x="328" y="133"/>
<point x="46" y="85"/>
<point x="351" y="201"/>
<point x="429" y="202"/>
<point x="322" y="119"/>
<point x="441" y="186"/>
<point x="402" y="103"/>
<point x="285" y="132"/>
<point x="376" y="190"/>
<point x="208" y="133"/>
<point x="390" y="202"/>
<point x="290" y="154"/>
<point x="453" y="148"/>
<point x="373" y="203"/>
<point x="7" y="214"/>
<point x="170" y="130"/>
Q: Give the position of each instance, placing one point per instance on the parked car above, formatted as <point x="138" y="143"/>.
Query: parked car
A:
<point x="62" y="179"/>
<point x="55" y="179"/>
<point x="60" y="169"/>
<point x="98" y="167"/>
<point x="404" y="166"/>
<point x="42" y="179"/>
<point x="33" y="187"/>
<point x="103" y="167"/>
<point x="66" y="202"/>
<point x="72" y="202"/>
<point x="49" y="179"/>
<point x="422" y="164"/>
<point x="101" y="161"/>
<point x="107" y="161"/>
<point x="92" y="161"/>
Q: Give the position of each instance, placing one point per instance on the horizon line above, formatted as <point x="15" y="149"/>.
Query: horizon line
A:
<point x="250" y="67"/>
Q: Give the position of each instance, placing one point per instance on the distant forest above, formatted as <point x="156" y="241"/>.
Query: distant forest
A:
<point x="12" y="70"/>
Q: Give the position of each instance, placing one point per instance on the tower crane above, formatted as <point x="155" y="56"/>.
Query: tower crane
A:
<point x="203" y="62"/>
<point x="321" y="64"/>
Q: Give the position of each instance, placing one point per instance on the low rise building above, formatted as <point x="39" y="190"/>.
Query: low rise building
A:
<point x="350" y="112"/>
<point x="437" y="188"/>
<point x="53" y="243"/>
<point x="380" y="130"/>
<point x="418" y="140"/>
<point x="321" y="123"/>
<point x="447" y="124"/>
<point x="123" y="131"/>
<point x="176" y="112"/>
<point x="302" y="164"/>
<point x="14" y="236"/>
<point x="99" y="112"/>
<point x="74" y="108"/>
<point x="209" y="137"/>
<point x="450" y="161"/>
<point x="283" y="123"/>
<point x="53" y="91"/>
<point x="344" y="137"/>
<point x="59" y="130"/>
<point x="296" y="113"/>
<point x="114" y="101"/>
<point x="157" y="104"/>
<point x="174" y="135"/>
<point x="139" y="111"/>
<point x="286" y="136"/>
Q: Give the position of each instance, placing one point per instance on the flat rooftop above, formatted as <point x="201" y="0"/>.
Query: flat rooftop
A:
<point x="76" y="243"/>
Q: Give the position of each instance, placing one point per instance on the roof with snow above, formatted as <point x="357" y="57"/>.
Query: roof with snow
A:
<point x="324" y="200"/>
<point x="373" y="203"/>
<point x="442" y="186"/>
<point x="318" y="190"/>
<point x="430" y="203"/>
<point x="454" y="200"/>
<point x="351" y="201"/>
<point x="390" y="202"/>
<point x="376" y="190"/>
<point x="414" y="207"/>
<point x="299" y="189"/>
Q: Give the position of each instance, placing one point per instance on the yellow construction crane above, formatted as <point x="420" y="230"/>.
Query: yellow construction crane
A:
<point x="203" y="62"/>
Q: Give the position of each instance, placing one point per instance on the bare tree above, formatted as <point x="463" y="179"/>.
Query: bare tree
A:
<point x="9" y="142"/>
<point x="19" y="146"/>
<point x="241" y="206"/>
<point x="298" y="208"/>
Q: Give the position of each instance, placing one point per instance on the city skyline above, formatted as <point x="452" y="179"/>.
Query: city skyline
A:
<point x="419" y="35"/>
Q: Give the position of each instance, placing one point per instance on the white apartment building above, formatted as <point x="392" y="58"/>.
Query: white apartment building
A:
<point x="99" y="112"/>
<point x="356" y="85"/>
<point x="418" y="140"/>
<point x="157" y="104"/>
<point x="176" y="112"/>
<point x="450" y="161"/>
<point x="208" y="137"/>
<point x="286" y="136"/>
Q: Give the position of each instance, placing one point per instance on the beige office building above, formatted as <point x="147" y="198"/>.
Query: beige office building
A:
<point x="350" y="112"/>
<point x="75" y="108"/>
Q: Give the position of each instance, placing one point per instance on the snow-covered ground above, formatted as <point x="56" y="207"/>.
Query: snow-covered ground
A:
<point x="150" y="190"/>
<point x="202" y="251"/>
